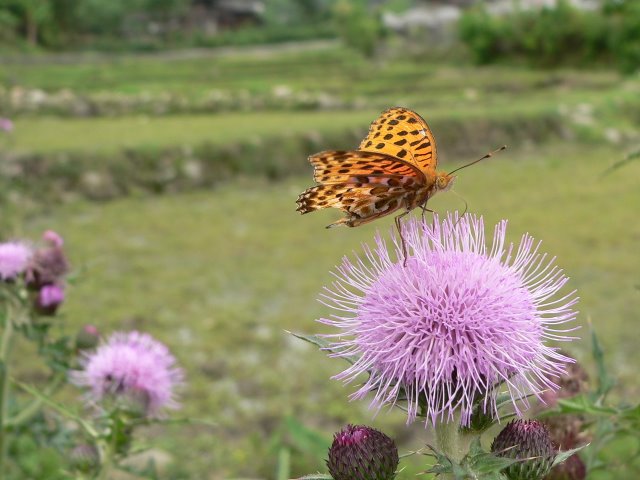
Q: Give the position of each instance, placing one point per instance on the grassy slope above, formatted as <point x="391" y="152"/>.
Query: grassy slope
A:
<point x="220" y="275"/>
<point x="336" y="71"/>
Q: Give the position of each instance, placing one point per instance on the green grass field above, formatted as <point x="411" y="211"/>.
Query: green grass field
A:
<point x="219" y="275"/>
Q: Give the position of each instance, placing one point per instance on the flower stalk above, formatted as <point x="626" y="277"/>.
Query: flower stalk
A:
<point x="451" y="440"/>
<point x="5" y="352"/>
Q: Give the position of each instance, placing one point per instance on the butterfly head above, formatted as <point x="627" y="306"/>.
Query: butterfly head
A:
<point x="444" y="181"/>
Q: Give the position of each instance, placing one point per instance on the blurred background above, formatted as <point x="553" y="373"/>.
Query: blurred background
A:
<point x="167" y="141"/>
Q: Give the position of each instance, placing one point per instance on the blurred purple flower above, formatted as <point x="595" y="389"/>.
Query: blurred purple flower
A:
<point x="14" y="259"/>
<point x="6" y="125"/>
<point x="131" y="367"/>
<point x="49" y="298"/>
<point x="453" y="324"/>
<point x="53" y="238"/>
<point x="49" y="264"/>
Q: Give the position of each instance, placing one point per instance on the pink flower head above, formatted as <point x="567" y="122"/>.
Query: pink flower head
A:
<point x="14" y="259"/>
<point x="53" y="238"/>
<point x="49" y="298"/>
<point x="6" y="125"/>
<point x="458" y="320"/>
<point x="131" y="367"/>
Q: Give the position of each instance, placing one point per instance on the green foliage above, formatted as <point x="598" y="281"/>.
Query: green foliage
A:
<point x="477" y="464"/>
<point x="556" y="35"/>
<point x="358" y="27"/>
<point x="267" y="34"/>
<point x="100" y="17"/>
<point x="9" y="22"/>
<point x="624" y="36"/>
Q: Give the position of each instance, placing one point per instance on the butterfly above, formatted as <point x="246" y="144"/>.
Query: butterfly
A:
<point x="394" y="168"/>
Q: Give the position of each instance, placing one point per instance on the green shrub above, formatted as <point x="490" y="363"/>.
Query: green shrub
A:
<point x="359" y="28"/>
<point x="558" y="35"/>
<point x="624" y="38"/>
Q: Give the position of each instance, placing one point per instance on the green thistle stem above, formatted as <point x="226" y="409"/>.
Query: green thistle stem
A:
<point x="450" y="441"/>
<point x="447" y="439"/>
<point x="28" y="412"/>
<point x="5" y="351"/>
<point x="107" y="449"/>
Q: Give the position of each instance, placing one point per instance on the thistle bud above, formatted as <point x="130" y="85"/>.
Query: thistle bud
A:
<point x="530" y="442"/>
<point x="49" y="298"/>
<point x="359" y="452"/>
<point x="87" y="338"/>
<point x="48" y="266"/>
<point x="84" y="457"/>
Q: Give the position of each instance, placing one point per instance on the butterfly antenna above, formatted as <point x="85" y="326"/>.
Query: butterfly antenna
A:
<point x="488" y="155"/>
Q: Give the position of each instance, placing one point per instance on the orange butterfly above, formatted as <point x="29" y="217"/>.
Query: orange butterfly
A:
<point x="393" y="168"/>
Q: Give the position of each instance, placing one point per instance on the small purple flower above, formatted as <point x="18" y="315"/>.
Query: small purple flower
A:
<point x="460" y="319"/>
<point x="6" y="125"/>
<point x="128" y="367"/>
<point x="49" y="298"/>
<point x="53" y="238"/>
<point x="14" y="259"/>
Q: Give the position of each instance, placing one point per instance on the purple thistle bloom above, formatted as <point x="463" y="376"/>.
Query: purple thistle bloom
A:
<point x="6" y="125"/>
<point x="129" y="367"/>
<point x="14" y="259"/>
<point x="50" y="297"/>
<point x="457" y="321"/>
<point x="53" y="238"/>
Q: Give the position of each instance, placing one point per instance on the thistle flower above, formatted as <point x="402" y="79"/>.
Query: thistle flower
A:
<point x="53" y="238"/>
<point x="128" y="367"/>
<point x="49" y="298"/>
<point x="14" y="259"/>
<point x="459" y="319"/>
<point x="6" y="125"/>
<point x="529" y="441"/>
<point x="359" y="452"/>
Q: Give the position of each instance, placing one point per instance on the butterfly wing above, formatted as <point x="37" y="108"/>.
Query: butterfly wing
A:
<point x="402" y="133"/>
<point x="340" y="166"/>
<point x="361" y="204"/>
<point x="365" y="185"/>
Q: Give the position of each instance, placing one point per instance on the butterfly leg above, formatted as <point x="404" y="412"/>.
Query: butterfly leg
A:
<point x="402" y="242"/>
<point x="466" y="208"/>
<point x="425" y="210"/>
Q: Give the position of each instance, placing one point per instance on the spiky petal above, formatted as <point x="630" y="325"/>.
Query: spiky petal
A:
<point x="458" y="319"/>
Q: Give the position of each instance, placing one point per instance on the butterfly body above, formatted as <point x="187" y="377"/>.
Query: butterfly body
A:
<point x="393" y="169"/>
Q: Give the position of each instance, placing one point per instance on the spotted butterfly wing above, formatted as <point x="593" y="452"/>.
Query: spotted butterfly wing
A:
<point x="403" y="134"/>
<point x="365" y="185"/>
